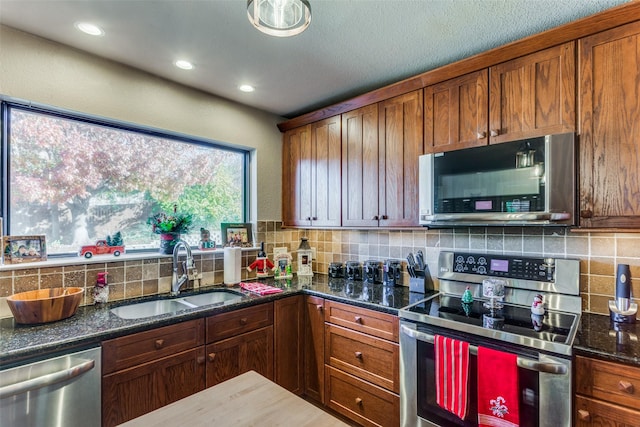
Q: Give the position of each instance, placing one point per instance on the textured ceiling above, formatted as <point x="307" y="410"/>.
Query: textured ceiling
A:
<point x="351" y="46"/>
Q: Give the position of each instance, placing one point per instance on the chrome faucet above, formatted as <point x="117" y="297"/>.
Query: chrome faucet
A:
<point x="188" y="268"/>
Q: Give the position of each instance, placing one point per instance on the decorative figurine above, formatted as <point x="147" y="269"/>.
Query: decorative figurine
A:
<point x="537" y="306"/>
<point x="305" y="256"/>
<point x="101" y="289"/>
<point x="263" y="265"/>
<point x="467" y="296"/>
<point x="282" y="267"/>
<point x="205" y="240"/>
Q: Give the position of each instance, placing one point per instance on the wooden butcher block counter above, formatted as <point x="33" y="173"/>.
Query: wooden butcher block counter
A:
<point x="246" y="400"/>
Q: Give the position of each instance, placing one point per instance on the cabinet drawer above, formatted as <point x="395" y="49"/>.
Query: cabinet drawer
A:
<point x="611" y="382"/>
<point x="134" y="349"/>
<point x="367" y="357"/>
<point x="370" y="322"/>
<point x="592" y="413"/>
<point x="237" y="322"/>
<point x="360" y="401"/>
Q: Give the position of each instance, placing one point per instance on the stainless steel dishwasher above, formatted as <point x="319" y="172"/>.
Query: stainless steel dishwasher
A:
<point x="56" y="392"/>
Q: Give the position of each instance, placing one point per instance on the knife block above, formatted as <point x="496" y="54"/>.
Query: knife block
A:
<point x="418" y="284"/>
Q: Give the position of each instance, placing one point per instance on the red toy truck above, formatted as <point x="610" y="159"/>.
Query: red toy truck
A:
<point x="101" y="248"/>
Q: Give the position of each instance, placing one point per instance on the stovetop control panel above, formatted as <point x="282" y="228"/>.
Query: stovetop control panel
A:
<point x="514" y="267"/>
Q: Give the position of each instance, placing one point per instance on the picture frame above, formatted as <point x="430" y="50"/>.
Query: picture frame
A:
<point x="20" y="249"/>
<point x="237" y="234"/>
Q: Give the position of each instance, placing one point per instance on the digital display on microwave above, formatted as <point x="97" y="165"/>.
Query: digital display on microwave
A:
<point x="500" y="265"/>
<point x="484" y="205"/>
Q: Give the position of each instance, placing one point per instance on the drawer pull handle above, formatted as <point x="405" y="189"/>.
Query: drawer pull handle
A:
<point x="495" y="132"/>
<point x="200" y="360"/>
<point x="584" y="415"/>
<point x="626" y="386"/>
<point x="359" y="355"/>
<point x="482" y="135"/>
<point x="159" y="344"/>
<point x="212" y="357"/>
<point x="243" y="321"/>
<point x="319" y="307"/>
<point x="358" y="319"/>
<point x="358" y="401"/>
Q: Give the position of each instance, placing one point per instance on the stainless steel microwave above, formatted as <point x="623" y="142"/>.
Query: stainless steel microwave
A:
<point x="525" y="182"/>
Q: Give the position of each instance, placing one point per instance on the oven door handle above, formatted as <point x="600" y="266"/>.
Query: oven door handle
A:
<point x="523" y="362"/>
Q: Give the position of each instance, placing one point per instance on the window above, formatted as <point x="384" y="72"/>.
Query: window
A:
<point x="77" y="179"/>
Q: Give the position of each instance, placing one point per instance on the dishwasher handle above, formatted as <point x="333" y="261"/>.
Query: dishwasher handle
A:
<point x="523" y="362"/>
<point x="46" y="380"/>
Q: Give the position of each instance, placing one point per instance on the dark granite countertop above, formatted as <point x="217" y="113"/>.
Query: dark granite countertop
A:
<point x="93" y="324"/>
<point x="599" y="338"/>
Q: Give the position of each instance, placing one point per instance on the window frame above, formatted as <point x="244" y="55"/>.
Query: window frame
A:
<point x="8" y="103"/>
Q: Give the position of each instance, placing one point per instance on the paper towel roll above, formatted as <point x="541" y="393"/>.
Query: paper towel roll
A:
<point x="232" y="266"/>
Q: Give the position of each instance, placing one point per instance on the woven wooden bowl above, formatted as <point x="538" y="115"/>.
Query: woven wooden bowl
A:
<point x="45" y="305"/>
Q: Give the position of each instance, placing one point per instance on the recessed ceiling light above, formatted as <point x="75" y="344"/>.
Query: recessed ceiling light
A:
<point x="185" y="65"/>
<point x="90" y="29"/>
<point x="246" y="88"/>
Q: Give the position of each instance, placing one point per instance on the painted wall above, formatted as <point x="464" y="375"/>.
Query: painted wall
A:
<point x="45" y="72"/>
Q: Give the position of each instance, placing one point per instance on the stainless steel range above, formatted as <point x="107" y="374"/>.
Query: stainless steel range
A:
<point x="507" y="320"/>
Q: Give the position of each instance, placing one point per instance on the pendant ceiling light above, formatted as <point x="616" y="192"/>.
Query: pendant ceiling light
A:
<point x="280" y="18"/>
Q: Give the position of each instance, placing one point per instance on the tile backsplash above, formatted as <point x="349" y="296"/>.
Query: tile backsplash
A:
<point x="599" y="254"/>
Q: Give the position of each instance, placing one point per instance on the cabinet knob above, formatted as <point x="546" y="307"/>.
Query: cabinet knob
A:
<point x="482" y="135"/>
<point x="159" y="344"/>
<point x="626" y="386"/>
<point x="358" y="355"/>
<point x="308" y="218"/>
<point x="494" y="132"/>
<point x="375" y="217"/>
<point x="586" y="213"/>
<point x="385" y="217"/>
<point x="200" y="360"/>
<point x="243" y="321"/>
<point x="315" y="218"/>
<point x="584" y="415"/>
<point x="358" y="319"/>
<point x="319" y="307"/>
<point x="211" y="357"/>
<point x="358" y="401"/>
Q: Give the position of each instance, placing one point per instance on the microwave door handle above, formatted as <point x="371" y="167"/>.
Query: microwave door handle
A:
<point x="523" y="362"/>
<point x="46" y="380"/>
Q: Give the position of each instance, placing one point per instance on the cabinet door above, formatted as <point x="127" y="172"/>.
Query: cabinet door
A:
<point x="135" y="391"/>
<point x="252" y="351"/>
<point x="360" y="162"/>
<point x="456" y="113"/>
<point x="610" y="128"/>
<point x="592" y="413"/>
<point x="400" y="143"/>
<point x="533" y="95"/>
<point x="314" y="348"/>
<point x="288" y="343"/>
<point x="296" y="177"/>
<point x="326" y="144"/>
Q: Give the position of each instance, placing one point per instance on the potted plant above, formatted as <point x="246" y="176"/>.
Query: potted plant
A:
<point x="169" y="227"/>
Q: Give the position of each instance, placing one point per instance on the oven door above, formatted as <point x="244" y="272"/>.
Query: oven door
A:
<point x="544" y="381"/>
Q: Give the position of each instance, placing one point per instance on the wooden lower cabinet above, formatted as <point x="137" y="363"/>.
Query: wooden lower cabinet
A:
<point x="314" y="348"/>
<point x="135" y="391"/>
<point x="361" y="401"/>
<point x="234" y="356"/>
<point x="608" y="394"/>
<point x="288" y="343"/>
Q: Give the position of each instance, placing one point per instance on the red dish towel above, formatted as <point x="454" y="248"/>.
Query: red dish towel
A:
<point x="260" y="288"/>
<point x="497" y="389"/>
<point x="452" y="374"/>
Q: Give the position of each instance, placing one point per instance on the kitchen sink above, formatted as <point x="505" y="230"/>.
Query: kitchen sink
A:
<point x="213" y="298"/>
<point x="159" y="307"/>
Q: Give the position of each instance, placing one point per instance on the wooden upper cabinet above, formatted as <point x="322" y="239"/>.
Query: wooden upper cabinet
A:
<point x="326" y="155"/>
<point x="360" y="167"/>
<point x="533" y="95"/>
<point x="400" y="144"/>
<point x="456" y="113"/>
<point x="609" y="97"/>
<point x="296" y="177"/>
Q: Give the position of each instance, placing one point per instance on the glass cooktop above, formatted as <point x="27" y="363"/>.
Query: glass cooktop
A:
<point x="552" y="331"/>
